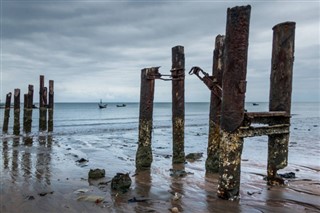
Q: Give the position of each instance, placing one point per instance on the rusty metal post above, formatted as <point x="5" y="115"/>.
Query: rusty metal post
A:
<point x="280" y="94"/>
<point x="6" y="113"/>
<point x="178" y="76"/>
<point x="28" y="110"/>
<point x="42" y="106"/>
<point x="50" y="105"/>
<point x="232" y="108"/>
<point x="144" y="152"/>
<point x="16" y="122"/>
<point x="212" y="162"/>
<point x="25" y="106"/>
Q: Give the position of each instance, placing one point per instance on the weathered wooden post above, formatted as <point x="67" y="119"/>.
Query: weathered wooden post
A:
<point x="280" y="94"/>
<point x="212" y="162"/>
<point x="178" y="76"/>
<point x="144" y="152"/>
<point x="50" y="105"/>
<point x="16" y="123"/>
<point x="232" y="111"/>
<point x="6" y="113"/>
<point x="42" y="106"/>
<point x="28" y="110"/>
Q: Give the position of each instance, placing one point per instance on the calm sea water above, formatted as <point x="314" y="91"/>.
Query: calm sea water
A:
<point x="87" y="118"/>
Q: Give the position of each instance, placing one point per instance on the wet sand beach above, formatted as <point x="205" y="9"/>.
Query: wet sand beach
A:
<point x="42" y="173"/>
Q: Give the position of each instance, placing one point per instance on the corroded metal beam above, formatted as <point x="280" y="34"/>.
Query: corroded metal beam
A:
<point x="232" y="111"/>
<point x="6" y="113"/>
<point x="280" y="94"/>
<point x="178" y="73"/>
<point x="212" y="161"/>
<point x="245" y="132"/>
<point x="16" y="121"/>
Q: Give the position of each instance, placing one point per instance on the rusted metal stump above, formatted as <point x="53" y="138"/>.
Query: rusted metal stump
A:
<point x="6" y="113"/>
<point x="280" y="94"/>
<point x="16" y="122"/>
<point x="144" y="152"/>
<point x="42" y="105"/>
<point x="212" y="161"/>
<point x="50" y="105"/>
<point x="232" y="110"/>
<point x="178" y="76"/>
<point x="28" y="110"/>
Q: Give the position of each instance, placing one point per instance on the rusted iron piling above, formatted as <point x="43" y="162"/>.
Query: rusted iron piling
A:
<point x="42" y="105"/>
<point x="144" y="152"/>
<point x="16" y="122"/>
<point x="178" y="76"/>
<point x="6" y="113"/>
<point x="50" y="105"/>
<point x="212" y="161"/>
<point x="28" y="110"/>
<point x="280" y="94"/>
<point x="232" y="108"/>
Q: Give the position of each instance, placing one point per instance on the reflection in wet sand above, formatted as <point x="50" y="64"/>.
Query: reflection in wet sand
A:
<point x="177" y="187"/>
<point x="143" y="182"/>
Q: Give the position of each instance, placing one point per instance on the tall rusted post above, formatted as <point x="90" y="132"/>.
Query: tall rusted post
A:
<point x="178" y="76"/>
<point x="42" y="105"/>
<point x="28" y="110"/>
<point x="232" y="109"/>
<point x="212" y="162"/>
<point x="16" y="123"/>
<point x="25" y="113"/>
<point x="280" y="94"/>
<point x="6" y="113"/>
<point x="144" y="152"/>
<point x="50" y="105"/>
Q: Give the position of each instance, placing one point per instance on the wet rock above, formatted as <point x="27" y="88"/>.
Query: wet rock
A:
<point x="174" y="210"/>
<point x="44" y="193"/>
<point x="82" y="160"/>
<point x="96" y="173"/>
<point x="91" y="198"/>
<point x="176" y="196"/>
<point x="194" y="156"/>
<point x="137" y="200"/>
<point x="289" y="175"/>
<point x="121" y="182"/>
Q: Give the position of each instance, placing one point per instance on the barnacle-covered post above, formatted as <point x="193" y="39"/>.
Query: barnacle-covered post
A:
<point x="178" y="76"/>
<point x="50" y="105"/>
<point x="212" y="162"/>
<point x="280" y="94"/>
<point x="42" y="106"/>
<point x="232" y="109"/>
<point x="6" y="113"/>
<point x="28" y="110"/>
<point x="144" y="152"/>
<point x="16" y="121"/>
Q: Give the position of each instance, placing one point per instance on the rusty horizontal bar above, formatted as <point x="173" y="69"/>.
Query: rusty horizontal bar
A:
<point x="271" y="118"/>
<point x="245" y="132"/>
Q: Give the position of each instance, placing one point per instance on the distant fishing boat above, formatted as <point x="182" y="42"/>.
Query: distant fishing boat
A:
<point x="121" y="105"/>
<point x="101" y="105"/>
<point x="255" y="104"/>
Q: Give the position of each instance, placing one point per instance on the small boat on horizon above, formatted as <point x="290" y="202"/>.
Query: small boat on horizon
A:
<point x="102" y="105"/>
<point x="121" y="105"/>
<point x="255" y="104"/>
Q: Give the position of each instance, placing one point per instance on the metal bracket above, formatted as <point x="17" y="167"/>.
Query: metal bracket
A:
<point x="173" y="77"/>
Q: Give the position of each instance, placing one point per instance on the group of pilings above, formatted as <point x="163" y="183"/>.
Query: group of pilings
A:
<point x="44" y="107"/>
<point x="148" y="77"/>
<point x="229" y="123"/>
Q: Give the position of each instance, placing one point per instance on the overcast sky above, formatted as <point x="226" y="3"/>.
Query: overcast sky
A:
<point x="96" y="49"/>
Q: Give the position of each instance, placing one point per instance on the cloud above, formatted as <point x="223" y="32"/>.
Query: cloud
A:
<point x="96" y="49"/>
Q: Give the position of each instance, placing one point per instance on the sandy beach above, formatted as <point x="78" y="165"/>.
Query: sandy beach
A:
<point x="42" y="173"/>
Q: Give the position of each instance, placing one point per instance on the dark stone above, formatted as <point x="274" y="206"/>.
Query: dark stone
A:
<point x="81" y="160"/>
<point x="136" y="200"/>
<point x="289" y="175"/>
<point x="121" y="182"/>
<point x="97" y="173"/>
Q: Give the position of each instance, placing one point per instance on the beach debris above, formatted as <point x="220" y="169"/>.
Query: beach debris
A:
<point x="121" y="182"/>
<point x="176" y="196"/>
<point x="289" y="175"/>
<point x="96" y="173"/>
<point x="194" y="156"/>
<point x="252" y="193"/>
<point x="44" y="193"/>
<point x="137" y="200"/>
<point x="179" y="173"/>
<point x="91" y="198"/>
<point x="174" y="210"/>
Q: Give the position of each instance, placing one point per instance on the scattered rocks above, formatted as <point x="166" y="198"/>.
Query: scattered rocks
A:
<point x="194" y="156"/>
<point x="96" y="173"/>
<point x="121" y="182"/>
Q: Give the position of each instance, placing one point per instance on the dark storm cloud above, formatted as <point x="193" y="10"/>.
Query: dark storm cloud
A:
<point x="96" y="49"/>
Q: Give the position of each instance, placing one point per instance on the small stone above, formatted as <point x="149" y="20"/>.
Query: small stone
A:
<point x="121" y="182"/>
<point x="174" y="210"/>
<point x="97" y="173"/>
